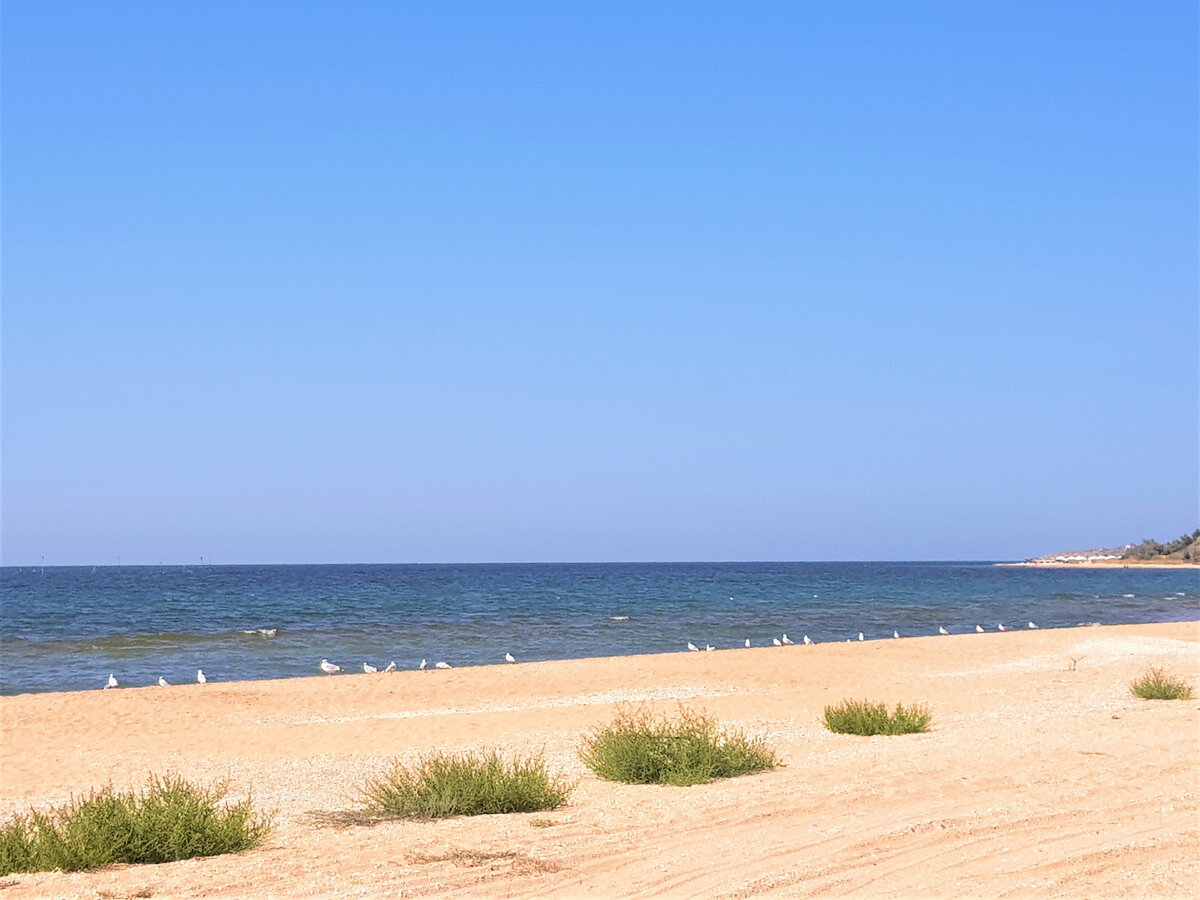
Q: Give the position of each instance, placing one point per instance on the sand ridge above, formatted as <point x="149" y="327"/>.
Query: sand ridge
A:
<point x="1042" y="776"/>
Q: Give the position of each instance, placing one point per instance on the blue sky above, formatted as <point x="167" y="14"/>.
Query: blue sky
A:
<point x="391" y="282"/>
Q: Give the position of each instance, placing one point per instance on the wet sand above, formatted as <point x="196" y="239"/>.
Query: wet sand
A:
<point x="1042" y="775"/>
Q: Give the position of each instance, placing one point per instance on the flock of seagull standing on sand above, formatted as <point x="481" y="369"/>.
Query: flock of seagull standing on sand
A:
<point x="784" y="640"/>
<point x="332" y="669"/>
<point x="201" y="678"/>
<point x="325" y="666"/>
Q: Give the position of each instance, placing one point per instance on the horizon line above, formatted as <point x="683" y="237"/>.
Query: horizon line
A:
<point x="552" y="562"/>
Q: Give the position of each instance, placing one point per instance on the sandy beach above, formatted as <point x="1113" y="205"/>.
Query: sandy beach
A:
<point x="1042" y="775"/>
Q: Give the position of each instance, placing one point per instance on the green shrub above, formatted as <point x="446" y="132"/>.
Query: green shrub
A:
<point x="170" y="820"/>
<point x="466" y="784"/>
<point x="1157" y="685"/>
<point x="18" y="842"/>
<point x="639" y="748"/>
<point x="866" y="718"/>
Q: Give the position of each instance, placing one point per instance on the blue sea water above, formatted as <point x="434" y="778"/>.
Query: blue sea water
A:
<point x="67" y="628"/>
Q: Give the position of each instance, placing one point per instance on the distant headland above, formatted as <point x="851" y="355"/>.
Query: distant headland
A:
<point x="1183" y="552"/>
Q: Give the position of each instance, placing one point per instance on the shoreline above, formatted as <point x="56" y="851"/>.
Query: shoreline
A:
<point x="1098" y="788"/>
<point x="280" y="621"/>
<point x="353" y="673"/>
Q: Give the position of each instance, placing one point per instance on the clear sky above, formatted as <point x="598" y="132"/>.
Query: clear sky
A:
<point x="479" y="281"/>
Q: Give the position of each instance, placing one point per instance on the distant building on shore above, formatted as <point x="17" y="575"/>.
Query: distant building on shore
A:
<point x="1083" y="556"/>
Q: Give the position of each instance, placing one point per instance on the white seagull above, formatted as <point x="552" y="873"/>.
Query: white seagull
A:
<point x="112" y="681"/>
<point x="329" y="668"/>
<point x="508" y="657"/>
<point x="807" y="639"/>
<point x="391" y="667"/>
<point x="200" y="679"/>
<point x="369" y="669"/>
<point x="422" y="665"/>
<point x="895" y="634"/>
<point x="747" y="642"/>
<point x="776" y="642"/>
<point x="860" y="636"/>
<point x="942" y="630"/>
<point x="788" y="640"/>
<point x="692" y="648"/>
<point x="979" y="628"/>
<point x="1001" y="627"/>
<point x="709" y="648"/>
<point x="1031" y="625"/>
<point x="441" y="665"/>
<point x="162" y="682"/>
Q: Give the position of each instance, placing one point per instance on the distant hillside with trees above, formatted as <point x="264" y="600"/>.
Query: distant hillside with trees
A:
<point x="1185" y="547"/>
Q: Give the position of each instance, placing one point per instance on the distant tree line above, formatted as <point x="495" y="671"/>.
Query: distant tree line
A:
<point x="1185" y="547"/>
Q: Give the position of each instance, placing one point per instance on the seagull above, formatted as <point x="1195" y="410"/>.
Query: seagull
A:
<point x="788" y="640"/>
<point x="709" y="648"/>
<point x="776" y="642"/>
<point x="112" y="681"/>
<point x="979" y="628"/>
<point x="692" y="648"/>
<point x="162" y="682"/>
<point x="369" y="669"/>
<point x="391" y="667"/>
<point x="441" y="665"/>
<point x="1001" y="627"/>
<point x="423" y="664"/>
<point x="747" y="642"/>
<point x="895" y="634"/>
<point x="508" y="657"/>
<point x="942" y="630"/>
<point x="200" y="676"/>
<point x="1031" y="625"/>
<point x="329" y="668"/>
<point x="807" y="640"/>
<point x="860" y="636"/>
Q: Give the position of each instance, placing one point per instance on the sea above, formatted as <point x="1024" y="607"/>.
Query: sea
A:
<point x="69" y="628"/>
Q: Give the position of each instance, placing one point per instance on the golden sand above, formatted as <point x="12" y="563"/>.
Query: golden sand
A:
<point x="1042" y="775"/>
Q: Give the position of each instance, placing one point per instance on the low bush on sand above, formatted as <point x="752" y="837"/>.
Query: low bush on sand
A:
<point x="867" y="718"/>
<point x="639" y="748"/>
<point x="1157" y="685"/>
<point x="465" y="784"/>
<point x="170" y="820"/>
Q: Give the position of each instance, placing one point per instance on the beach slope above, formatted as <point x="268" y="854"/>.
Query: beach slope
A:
<point x="1042" y="775"/>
